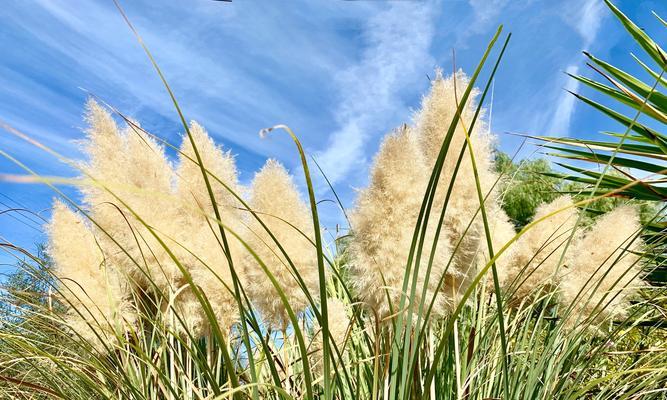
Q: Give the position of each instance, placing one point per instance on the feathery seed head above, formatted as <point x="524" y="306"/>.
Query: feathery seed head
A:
<point x="463" y="225"/>
<point x="202" y="246"/>
<point x="384" y="219"/>
<point x="88" y="284"/>
<point x="275" y="199"/>
<point x="151" y="222"/>
<point x="134" y="177"/>
<point x="602" y="272"/>
<point x="539" y="250"/>
<point x="220" y="165"/>
<point x="339" y="323"/>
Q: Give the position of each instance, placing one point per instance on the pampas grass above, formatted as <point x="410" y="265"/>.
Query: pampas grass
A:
<point x="97" y="297"/>
<point x="538" y="254"/>
<point x="166" y="272"/>
<point x="200" y="248"/>
<point x="437" y="111"/>
<point x="603" y="271"/>
<point x="275" y="198"/>
<point x="462" y="224"/>
<point x="384" y="219"/>
<point x="177" y="282"/>
<point x="134" y="206"/>
<point x="125" y="240"/>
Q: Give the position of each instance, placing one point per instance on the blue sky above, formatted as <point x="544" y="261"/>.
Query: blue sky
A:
<point x="340" y="73"/>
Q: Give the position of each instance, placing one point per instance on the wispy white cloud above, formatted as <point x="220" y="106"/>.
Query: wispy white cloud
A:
<point x="485" y="11"/>
<point x="235" y="67"/>
<point x="586" y="19"/>
<point x="223" y="73"/>
<point x="398" y="41"/>
<point x="562" y="115"/>
<point x="340" y="73"/>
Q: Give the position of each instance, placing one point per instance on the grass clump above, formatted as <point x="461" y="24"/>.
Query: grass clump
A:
<point x="177" y="282"/>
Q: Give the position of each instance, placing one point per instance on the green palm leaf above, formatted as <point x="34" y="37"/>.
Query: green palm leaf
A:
<point x="638" y="156"/>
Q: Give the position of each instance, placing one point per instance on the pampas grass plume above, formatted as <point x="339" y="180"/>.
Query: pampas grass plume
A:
<point x="131" y="176"/>
<point x="220" y="165"/>
<point x="463" y="225"/>
<point x="95" y="293"/>
<point x="135" y="177"/>
<point x="275" y="199"/>
<point x="339" y="325"/>
<point x="384" y="219"/>
<point x="538" y="251"/>
<point x="602" y="273"/>
<point x="202" y="249"/>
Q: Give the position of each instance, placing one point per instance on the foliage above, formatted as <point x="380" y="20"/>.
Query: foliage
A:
<point x="525" y="186"/>
<point x="631" y="163"/>
<point x="29" y="283"/>
<point x="530" y="182"/>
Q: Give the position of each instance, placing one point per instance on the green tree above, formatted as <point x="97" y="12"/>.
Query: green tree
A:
<point x="525" y="186"/>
